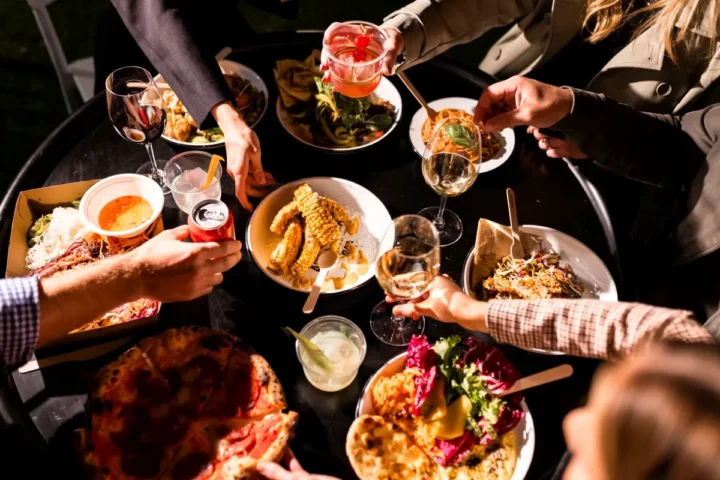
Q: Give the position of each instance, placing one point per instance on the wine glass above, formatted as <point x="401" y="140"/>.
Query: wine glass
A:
<point x="450" y="165"/>
<point x="405" y="271"/>
<point x="135" y="107"/>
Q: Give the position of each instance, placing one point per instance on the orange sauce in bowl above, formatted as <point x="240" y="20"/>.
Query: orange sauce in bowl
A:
<point x="124" y="213"/>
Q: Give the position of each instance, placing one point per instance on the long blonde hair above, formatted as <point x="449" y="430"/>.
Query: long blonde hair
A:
<point x="664" y="421"/>
<point x="602" y="17"/>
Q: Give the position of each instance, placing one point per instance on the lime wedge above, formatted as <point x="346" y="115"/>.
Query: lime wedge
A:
<point x="314" y="352"/>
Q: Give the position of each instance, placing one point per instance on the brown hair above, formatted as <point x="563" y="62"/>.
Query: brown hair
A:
<point x="664" y="420"/>
<point x="602" y="17"/>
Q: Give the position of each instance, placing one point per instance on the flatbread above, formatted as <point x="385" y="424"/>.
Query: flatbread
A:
<point x="379" y="449"/>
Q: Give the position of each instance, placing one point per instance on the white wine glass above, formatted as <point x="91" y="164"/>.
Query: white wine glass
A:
<point x="405" y="271"/>
<point x="450" y="165"/>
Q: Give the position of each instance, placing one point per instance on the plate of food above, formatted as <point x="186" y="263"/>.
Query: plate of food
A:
<point x="298" y="221"/>
<point x="435" y="412"/>
<point x="250" y="99"/>
<point x="317" y="116"/>
<point x="191" y="402"/>
<point x="556" y="265"/>
<point x="497" y="148"/>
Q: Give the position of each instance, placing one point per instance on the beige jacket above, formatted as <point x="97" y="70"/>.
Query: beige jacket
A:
<point x="638" y="75"/>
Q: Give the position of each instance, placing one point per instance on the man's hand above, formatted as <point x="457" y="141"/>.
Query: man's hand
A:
<point x="555" y="147"/>
<point x="521" y="101"/>
<point x="167" y="269"/>
<point x="395" y="45"/>
<point x="243" y="150"/>
<point x="273" y="471"/>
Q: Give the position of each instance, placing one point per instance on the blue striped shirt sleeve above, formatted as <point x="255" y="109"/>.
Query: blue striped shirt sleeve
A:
<point x="19" y="319"/>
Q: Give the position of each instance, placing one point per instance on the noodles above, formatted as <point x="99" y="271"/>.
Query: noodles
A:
<point x="490" y="144"/>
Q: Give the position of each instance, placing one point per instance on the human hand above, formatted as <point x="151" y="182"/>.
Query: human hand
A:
<point x="170" y="270"/>
<point x="394" y="44"/>
<point x="556" y="147"/>
<point x="273" y="471"/>
<point x="521" y="101"/>
<point x="445" y="301"/>
<point x="243" y="151"/>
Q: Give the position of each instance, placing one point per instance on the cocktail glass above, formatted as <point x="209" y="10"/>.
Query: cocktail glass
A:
<point x="185" y="174"/>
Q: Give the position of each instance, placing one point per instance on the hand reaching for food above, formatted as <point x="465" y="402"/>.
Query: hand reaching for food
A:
<point x="556" y="147"/>
<point x="522" y="101"/>
<point x="273" y="471"/>
<point x="445" y="301"/>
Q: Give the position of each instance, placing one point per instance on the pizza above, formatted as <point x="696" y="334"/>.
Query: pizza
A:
<point x="189" y="404"/>
<point x="381" y="449"/>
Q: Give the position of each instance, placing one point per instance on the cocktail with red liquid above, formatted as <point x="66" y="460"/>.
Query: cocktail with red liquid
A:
<point x="354" y="53"/>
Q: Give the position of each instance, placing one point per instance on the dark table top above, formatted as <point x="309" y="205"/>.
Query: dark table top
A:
<point x="254" y="308"/>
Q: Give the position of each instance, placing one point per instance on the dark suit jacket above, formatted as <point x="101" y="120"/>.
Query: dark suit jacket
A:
<point x="181" y="38"/>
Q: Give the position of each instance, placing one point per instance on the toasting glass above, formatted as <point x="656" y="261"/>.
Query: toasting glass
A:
<point x="405" y="271"/>
<point x="135" y="107"/>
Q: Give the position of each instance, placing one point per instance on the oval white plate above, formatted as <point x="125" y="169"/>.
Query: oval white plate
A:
<point x="524" y="431"/>
<point x="358" y="200"/>
<point x="232" y="68"/>
<point x="590" y="270"/>
<point x="385" y="91"/>
<point x="506" y="137"/>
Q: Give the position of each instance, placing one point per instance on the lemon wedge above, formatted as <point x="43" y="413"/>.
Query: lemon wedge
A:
<point x="435" y="407"/>
<point x="452" y="425"/>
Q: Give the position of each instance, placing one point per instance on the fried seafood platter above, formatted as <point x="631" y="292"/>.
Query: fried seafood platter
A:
<point x="299" y="221"/>
<point x="436" y="412"/>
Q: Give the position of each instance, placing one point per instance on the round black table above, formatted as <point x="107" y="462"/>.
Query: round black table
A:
<point x="48" y="404"/>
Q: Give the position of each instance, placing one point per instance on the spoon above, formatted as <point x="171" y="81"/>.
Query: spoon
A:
<point x="546" y="376"/>
<point x="326" y="261"/>
<point x="430" y="112"/>
<point x="516" y="249"/>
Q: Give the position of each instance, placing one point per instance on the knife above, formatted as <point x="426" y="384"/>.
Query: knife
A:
<point x="81" y="355"/>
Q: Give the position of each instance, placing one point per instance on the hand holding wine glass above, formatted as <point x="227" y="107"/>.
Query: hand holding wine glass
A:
<point x="450" y="165"/>
<point x="137" y="112"/>
<point x="405" y="271"/>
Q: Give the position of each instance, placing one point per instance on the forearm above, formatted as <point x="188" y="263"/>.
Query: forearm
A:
<point x="161" y="29"/>
<point x="645" y="147"/>
<point x="430" y="27"/>
<point x="70" y="300"/>
<point x="588" y="328"/>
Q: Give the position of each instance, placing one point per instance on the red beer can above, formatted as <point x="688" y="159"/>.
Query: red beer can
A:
<point x="211" y="221"/>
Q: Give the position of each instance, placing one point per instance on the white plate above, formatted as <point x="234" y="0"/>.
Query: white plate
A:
<point x="524" y="431"/>
<point x="506" y="137"/>
<point x="231" y="68"/>
<point x="374" y="221"/>
<point x="385" y="91"/>
<point x="590" y="270"/>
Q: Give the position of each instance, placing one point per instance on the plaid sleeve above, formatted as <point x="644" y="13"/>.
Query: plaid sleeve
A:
<point x="19" y="319"/>
<point x="589" y="328"/>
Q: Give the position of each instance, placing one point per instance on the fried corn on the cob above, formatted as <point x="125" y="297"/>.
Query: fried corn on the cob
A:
<point x="286" y="251"/>
<point x="308" y="255"/>
<point x="283" y="217"/>
<point x="336" y="210"/>
<point x="319" y="221"/>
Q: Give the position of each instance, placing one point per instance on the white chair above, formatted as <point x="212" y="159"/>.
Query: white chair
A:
<point x="76" y="77"/>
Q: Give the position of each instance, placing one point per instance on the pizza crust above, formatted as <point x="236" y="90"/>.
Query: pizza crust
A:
<point x="381" y="449"/>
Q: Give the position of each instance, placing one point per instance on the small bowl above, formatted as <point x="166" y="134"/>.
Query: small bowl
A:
<point x="316" y="376"/>
<point x="118" y="186"/>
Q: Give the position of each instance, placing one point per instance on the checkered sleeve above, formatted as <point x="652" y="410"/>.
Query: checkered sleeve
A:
<point x="19" y="319"/>
<point x="589" y="328"/>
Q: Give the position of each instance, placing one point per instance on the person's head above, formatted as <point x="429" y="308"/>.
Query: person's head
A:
<point x="652" y="416"/>
<point x="602" y="17"/>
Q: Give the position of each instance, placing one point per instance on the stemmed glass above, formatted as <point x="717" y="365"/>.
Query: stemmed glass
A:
<point x="405" y="271"/>
<point x="135" y="107"/>
<point x="450" y="165"/>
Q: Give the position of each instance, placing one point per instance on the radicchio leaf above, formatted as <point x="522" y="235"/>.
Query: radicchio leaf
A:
<point x="455" y="450"/>
<point x="423" y="386"/>
<point x="420" y="353"/>
<point x="497" y="372"/>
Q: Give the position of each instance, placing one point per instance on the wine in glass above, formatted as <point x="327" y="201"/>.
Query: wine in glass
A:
<point x="405" y="271"/>
<point x="135" y="107"/>
<point x="450" y="165"/>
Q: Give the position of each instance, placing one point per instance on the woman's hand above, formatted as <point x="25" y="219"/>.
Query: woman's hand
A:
<point x="445" y="301"/>
<point x="521" y="101"/>
<point x="273" y="471"/>
<point x="243" y="151"/>
<point x="555" y="147"/>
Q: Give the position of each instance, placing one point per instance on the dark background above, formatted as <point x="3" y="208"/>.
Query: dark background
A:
<point x="31" y="105"/>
